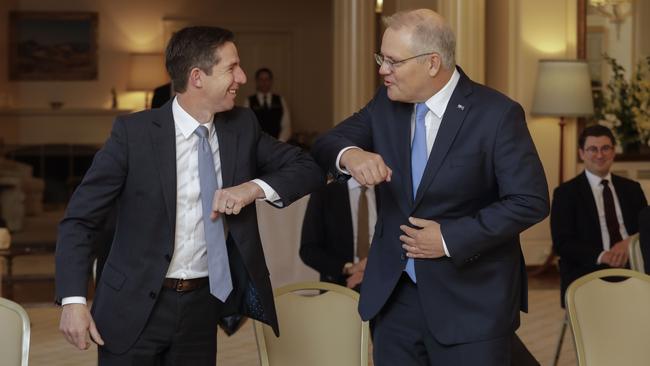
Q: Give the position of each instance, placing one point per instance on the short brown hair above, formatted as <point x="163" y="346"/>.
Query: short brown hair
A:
<point x="595" y="131"/>
<point x="193" y="47"/>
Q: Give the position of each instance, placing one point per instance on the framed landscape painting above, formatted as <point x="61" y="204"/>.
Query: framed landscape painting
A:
<point x="52" y="46"/>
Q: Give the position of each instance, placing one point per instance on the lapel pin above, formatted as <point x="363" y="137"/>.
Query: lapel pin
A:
<point x="461" y="107"/>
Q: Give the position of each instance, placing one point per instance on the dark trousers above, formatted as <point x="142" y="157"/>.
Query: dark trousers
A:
<point x="181" y="330"/>
<point x="401" y="337"/>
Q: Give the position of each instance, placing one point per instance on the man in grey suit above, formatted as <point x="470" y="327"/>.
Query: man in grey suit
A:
<point x="186" y="249"/>
<point x="458" y="178"/>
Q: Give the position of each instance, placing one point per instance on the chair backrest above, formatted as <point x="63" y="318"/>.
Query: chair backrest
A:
<point x="635" y="254"/>
<point x="14" y="334"/>
<point x="320" y="327"/>
<point x="611" y="320"/>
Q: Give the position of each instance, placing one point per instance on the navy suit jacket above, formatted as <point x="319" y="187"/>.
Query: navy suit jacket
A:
<point x="327" y="241"/>
<point x="483" y="183"/>
<point x="644" y="237"/>
<point x="575" y="227"/>
<point x="136" y="171"/>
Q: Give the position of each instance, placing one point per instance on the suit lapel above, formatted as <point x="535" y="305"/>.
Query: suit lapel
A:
<point x="452" y="120"/>
<point x="589" y="202"/>
<point x="163" y="141"/>
<point x="227" y="147"/>
<point x="623" y="202"/>
<point x="400" y="132"/>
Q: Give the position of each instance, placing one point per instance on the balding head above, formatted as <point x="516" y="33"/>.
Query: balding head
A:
<point x="429" y="32"/>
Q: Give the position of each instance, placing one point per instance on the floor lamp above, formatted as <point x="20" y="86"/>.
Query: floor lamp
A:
<point x="563" y="90"/>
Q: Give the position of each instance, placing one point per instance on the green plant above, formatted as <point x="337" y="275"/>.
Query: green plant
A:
<point x="624" y="105"/>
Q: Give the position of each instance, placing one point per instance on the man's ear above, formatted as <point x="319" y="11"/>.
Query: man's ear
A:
<point x="435" y="62"/>
<point x="195" y="78"/>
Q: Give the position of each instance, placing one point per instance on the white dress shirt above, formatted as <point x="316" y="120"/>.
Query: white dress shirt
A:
<point x="597" y="191"/>
<point x="437" y="105"/>
<point x="354" y="189"/>
<point x="285" y="122"/>
<point x="190" y="248"/>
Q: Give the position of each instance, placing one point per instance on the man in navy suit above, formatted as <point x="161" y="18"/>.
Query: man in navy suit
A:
<point x="331" y="242"/>
<point x="158" y="299"/>
<point x="586" y="234"/>
<point x="458" y="178"/>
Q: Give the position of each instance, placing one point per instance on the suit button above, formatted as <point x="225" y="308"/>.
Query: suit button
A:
<point x="168" y="257"/>
<point x="152" y="295"/>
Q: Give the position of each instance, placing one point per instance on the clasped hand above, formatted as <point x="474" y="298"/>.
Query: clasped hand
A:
<point x="232" y="199"/>
<point x="422" y="241"/>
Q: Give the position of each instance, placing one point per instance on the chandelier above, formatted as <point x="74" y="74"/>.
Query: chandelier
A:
<point x="614" y="10"/>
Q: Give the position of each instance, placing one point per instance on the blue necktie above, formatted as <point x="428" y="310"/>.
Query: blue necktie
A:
<point x="419" y="158"/>
<point x="215" y="238"/>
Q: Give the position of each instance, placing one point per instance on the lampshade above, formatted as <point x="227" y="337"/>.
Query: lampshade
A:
<point x="563" y="89"/>
<point x="147" y="71"/>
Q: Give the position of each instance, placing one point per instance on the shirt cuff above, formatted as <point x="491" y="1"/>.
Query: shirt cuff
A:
<point x="338" y="159"/>
<point x="444" y="246"/>
<point x="73" y="300"/>
<point x="600" y="257"/>
<point x="269" y="193"/>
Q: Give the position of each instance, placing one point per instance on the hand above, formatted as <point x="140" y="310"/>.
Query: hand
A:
<point x="360" y="266"/>
<point x="366" y="167"/>
<point x="618" y="255"/>
<point x="231" y="200"/>
<point x="76" y="323"/>
<point x="425" y="242"/>
<point x="354" y="280"/>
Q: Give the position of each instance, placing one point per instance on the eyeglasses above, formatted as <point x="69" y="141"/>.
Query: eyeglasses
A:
<point x="380" y="59"/>
<point x="605" y="149"/>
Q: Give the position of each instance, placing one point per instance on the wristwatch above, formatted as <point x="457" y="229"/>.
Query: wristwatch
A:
<point x="346" y="267"/>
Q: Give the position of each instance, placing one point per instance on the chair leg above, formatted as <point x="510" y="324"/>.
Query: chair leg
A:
<point x="560" y="340"/>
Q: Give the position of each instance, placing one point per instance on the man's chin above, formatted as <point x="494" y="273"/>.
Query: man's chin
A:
<point x="393" y="95"/>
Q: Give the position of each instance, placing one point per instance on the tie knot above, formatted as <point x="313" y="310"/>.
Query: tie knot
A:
<point x="421" y="110"/>
<point x="604" y="182"/>
<point x="201" y="131"/>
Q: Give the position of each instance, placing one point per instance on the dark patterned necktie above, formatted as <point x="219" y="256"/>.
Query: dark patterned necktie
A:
<point x="363" y="237"/>
<point x="610" y="214"/>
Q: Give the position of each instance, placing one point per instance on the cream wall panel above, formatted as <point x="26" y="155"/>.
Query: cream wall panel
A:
<point x="533" y="30"/>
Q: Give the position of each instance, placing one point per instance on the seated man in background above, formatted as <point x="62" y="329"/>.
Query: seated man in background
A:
<point x="337" y="230"/>
<point x="644" y="237"/>
<point x="594" y="214"/>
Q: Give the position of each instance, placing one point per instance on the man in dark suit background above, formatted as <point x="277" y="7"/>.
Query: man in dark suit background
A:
<point x="594" y="214"/>
<point x="161" y="95"/>
<point x="458" y="178"/>
<point x="158" y="299"/>
<point x="270" y="108"/>
<point x="331" y="242"/>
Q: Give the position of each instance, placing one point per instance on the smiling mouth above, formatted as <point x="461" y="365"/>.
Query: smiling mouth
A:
<point x="232" y="91"/>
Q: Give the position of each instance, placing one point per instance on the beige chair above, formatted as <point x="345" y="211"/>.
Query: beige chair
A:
<point x="14" y="334"/>
<point x="316" y="328"/>
<point x="636" y="257"/>
<point x="611" y="320"/>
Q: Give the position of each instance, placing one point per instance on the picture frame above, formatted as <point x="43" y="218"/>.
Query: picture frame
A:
<point x="49" y="46"/>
